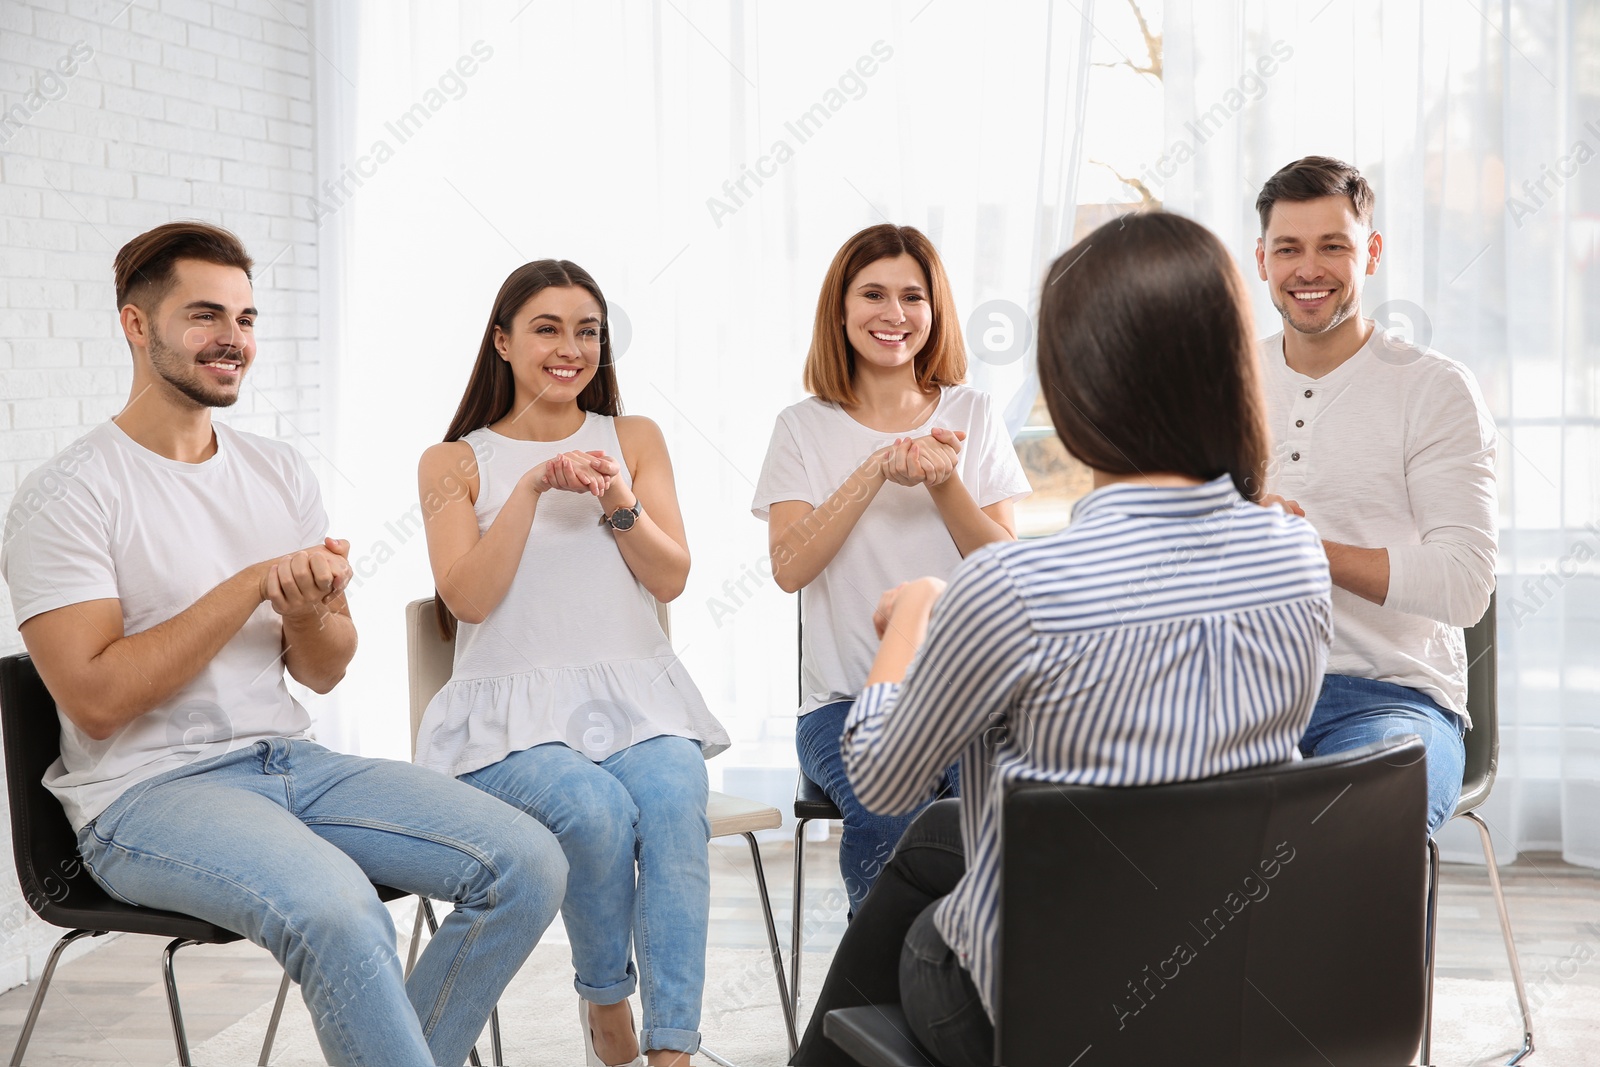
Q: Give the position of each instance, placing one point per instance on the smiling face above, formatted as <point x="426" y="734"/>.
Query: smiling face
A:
<point x="554" y="344"/>
<point x="201" y="338"/>
<point x="887" y="314"/>
<point x="1315" y="256"/>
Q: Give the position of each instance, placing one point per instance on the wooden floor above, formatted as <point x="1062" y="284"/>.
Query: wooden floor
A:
<point x="109" y="1006"/>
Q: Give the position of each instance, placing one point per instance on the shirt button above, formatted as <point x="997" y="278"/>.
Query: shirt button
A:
<point x="1308" y="394"/>
<point x="1299" y="422"/>
<point x="1295" y="457"/>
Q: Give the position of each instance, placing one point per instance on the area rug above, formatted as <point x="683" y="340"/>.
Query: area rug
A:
<point x="742" y="1021"/>
<point x="1476" y="1021"/>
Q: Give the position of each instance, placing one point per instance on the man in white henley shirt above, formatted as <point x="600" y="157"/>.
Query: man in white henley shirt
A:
<point x="1388" y="449"/>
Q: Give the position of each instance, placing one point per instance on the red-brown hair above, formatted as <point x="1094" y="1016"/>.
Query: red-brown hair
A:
<point x="831" y="362"/>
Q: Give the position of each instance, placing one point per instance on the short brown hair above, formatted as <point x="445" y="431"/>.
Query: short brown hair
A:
<point x="1147" y="354"/>
<point x="144" y="266"/>
<point x="831" y="363"/>
<point x="1312" y="178"/>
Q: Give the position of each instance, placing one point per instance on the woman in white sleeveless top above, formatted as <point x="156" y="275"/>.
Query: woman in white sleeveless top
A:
<point x="553" y="529"/>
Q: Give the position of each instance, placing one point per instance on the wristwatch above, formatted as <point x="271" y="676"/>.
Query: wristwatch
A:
<point x="623" y="519"/>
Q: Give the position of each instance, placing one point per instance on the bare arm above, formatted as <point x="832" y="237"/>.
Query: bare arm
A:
<point x="802" y="539"/>
<point x="656" y="548"/>
<point x="102" y="679"/>
<point x="473" y="573"/>
<point x="1362" y="571"/>
<point x="970" y="526"/>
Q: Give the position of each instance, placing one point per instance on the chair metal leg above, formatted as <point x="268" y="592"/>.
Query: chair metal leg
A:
<point x="1505" y="931"/>
<point x="1432" y="926"/>
<point x="272" y="1024"/>
<point x="44" y="985"/>
<point x="772" y="942"/>
<point x="179" y="1035"/>
<point x="494" y="1015"/>
<point x="799" y="908"/>
<point x="416" y="938"/>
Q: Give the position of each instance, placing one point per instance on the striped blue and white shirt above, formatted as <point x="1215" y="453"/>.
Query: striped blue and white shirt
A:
<point x="1166" y="634"/>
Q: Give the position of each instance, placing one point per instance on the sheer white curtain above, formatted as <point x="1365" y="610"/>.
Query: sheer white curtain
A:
<point x="703" y="161"/>
<point x="1476" y="123"/>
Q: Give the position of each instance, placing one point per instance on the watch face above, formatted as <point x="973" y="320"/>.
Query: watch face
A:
<point x="623" y="519"/>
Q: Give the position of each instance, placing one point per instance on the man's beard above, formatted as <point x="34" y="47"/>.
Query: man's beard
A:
<point x="1292" y="314"/>
<point x="170" y="363"/>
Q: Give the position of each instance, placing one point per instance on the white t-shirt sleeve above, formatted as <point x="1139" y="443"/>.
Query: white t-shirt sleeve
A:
<point x="313" y="516"/>
<point x="783" y="472"/>
<point x="58" y="546"/>
<point x="1000" y="473"/>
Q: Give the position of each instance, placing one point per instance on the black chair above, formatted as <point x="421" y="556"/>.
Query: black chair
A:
<point x="1477" y="779"/>
<point x="1274" y="916"/>
<point x="55" y="882"/>
<point x="810" y="803"/>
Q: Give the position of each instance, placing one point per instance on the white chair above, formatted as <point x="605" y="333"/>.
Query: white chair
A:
<point x="430" y="657"/>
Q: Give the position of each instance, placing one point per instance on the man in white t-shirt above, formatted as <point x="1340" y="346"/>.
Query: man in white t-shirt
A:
<point x="166" y="572"/>
<point x="1388" y="449"/>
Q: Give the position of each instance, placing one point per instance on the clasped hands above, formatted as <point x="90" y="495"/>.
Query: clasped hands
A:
<point x="574" y="472"/>
<point x="304" y="584"/>
<point x="928" y="460"/>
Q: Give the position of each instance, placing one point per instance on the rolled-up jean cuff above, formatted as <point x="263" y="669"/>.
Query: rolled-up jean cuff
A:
<point x="686" y="1041"/>
<point x="614" y="993"/>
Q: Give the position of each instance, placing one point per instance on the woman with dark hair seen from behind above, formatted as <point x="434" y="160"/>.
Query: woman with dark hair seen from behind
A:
<point x="566" y="700"/>
<point x="1148" y="365"/>
<point x="892" y="469"/>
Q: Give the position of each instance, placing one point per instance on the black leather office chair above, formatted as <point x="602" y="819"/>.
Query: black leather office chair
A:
<point x="55" y="882"/>
<point x="1477" y="779"/>
<point x="1270" y="917"/>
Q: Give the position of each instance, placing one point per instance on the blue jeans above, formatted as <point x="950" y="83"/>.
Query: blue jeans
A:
<point x="869" y="838"/>
<point x="1352" y="712"/>
<point x="281" y="842"/>
<point x="644" y="805"/>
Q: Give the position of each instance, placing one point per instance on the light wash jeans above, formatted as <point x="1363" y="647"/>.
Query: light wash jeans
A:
<point x="1352" y="712"/>
<point x="281" y="842"/>
<point x="645" y="805"/>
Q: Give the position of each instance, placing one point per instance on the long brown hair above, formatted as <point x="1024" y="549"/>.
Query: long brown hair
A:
<point x="831" y="363"/>
<point x="1147" y="354"/>
<point x="491" y="387"/>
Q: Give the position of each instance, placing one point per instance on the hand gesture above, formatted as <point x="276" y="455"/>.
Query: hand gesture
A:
<point x="927" y="460"/>
<point x="575" y="472"/>
<point x="924" y="590"/>
<point x="939" y="452"/>
<point x="304" y="582"/>
<point x="1289" y="506"/>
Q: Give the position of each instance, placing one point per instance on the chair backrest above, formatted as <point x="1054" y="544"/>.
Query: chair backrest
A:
<point x="430" y="656"/>
<point x="1272" y="916"/>
<point x="1483" y="704"/>
<point x="42" y="841"/>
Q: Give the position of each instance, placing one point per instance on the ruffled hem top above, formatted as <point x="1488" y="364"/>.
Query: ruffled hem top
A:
<point x="575" y="652"/>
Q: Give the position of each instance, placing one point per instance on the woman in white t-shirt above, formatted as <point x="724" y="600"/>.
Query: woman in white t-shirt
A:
<point x="553" y="529"/>
<point x="892" y="470"/>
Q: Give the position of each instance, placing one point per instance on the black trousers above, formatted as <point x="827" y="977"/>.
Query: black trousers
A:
<point x="892" y="953"/>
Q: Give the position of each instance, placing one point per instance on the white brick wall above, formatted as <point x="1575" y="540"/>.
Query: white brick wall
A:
<point x="185" y="109"/>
